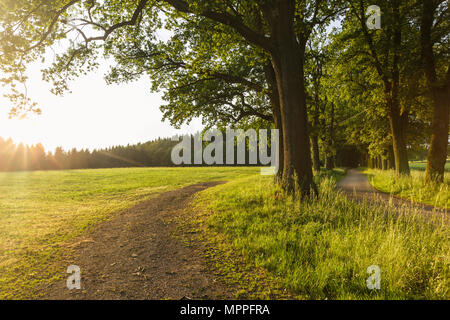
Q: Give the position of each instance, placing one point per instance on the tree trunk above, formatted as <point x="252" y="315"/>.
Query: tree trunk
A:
<point x="329" y="163"/>
<point x="287" y="57"/>
<point x="315" y="152"/>
<point x="391" y="160"/>
<point x="398" y="118"/>
<point x="437" y="155"/>
<point x="398" y="124"/>
<point x="314" y="136"/>
<point x="274" y="98"/>
<point x="329" y="160"/>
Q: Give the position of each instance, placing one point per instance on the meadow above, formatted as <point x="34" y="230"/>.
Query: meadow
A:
<point x="315" y="249"/>
<point x="41" y="212"/>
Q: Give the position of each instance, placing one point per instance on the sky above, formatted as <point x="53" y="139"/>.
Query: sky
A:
<point x="94" y="115"/>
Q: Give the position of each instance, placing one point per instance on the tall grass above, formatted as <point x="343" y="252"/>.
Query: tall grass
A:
<point x="413" y="187"/>
<point x="321" y="248"/>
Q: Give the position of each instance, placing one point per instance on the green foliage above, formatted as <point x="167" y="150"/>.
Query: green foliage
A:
<point x="208" y="38"/>
<point x="364" y="67"/>
<point x="211" y="73"/>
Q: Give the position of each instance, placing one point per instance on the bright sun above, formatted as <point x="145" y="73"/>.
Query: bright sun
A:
<point x="93" y="116"/>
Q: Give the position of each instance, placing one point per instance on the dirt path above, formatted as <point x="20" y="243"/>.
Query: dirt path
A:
<point x="135" y="256"/>
<point x="357" y="186"/>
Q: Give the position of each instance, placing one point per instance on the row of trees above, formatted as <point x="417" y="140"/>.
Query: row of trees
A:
<point x="372" y="87"/>
<point x="399" y="74"/>
<point x="253" y="63"/>
<point x="23" y="157"/>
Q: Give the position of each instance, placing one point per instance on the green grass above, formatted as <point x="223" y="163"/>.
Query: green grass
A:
<point x="41" y="212"/>
<point x="321" y="249"/>
<point x="413" y="187"/>
<point x="422" y="165"/>
<point x="315" y="249"/>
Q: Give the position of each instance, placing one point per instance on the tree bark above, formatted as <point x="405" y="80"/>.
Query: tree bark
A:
<point x="398" y="118"/>
<point x="287" y="56"/>
<point x="274" y="98"/>
<point x="315" y="152"/>
<point x="391" y="160"/>
<point x="329" y="158"/>
<point x="398" y="126"/>
<point x="329" y="163"/>
<point x="314" y="136"/>
<point x="437" y="155"/>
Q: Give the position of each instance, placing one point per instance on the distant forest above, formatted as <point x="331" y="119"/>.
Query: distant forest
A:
<point x="22" y="157"/>
<point x="156" y="153"/>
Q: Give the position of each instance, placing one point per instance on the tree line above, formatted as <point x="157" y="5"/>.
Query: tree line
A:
<point x="156" y="153"/>
<point x="311" y="68"/>
<point x="22" y="157"/>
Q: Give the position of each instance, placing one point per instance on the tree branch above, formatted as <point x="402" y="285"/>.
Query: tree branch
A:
<point x="370" y="43"/>
<point x="52" y="25"/>
<point x="225" y="18"/>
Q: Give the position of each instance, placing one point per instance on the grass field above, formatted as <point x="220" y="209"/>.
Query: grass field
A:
<point x="40" y="212"/>
<point x="319" y="248"/>
<point x="413" y="188"/>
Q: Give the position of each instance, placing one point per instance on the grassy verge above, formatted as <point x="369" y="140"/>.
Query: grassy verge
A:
<point x="42" y="212"/>
<point x="321" y="249"/>
<point x="411" y="188"/>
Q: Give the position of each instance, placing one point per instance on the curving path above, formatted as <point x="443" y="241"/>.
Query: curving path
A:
<point x="136" y="256"/>
<point x="357" y="187"/>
